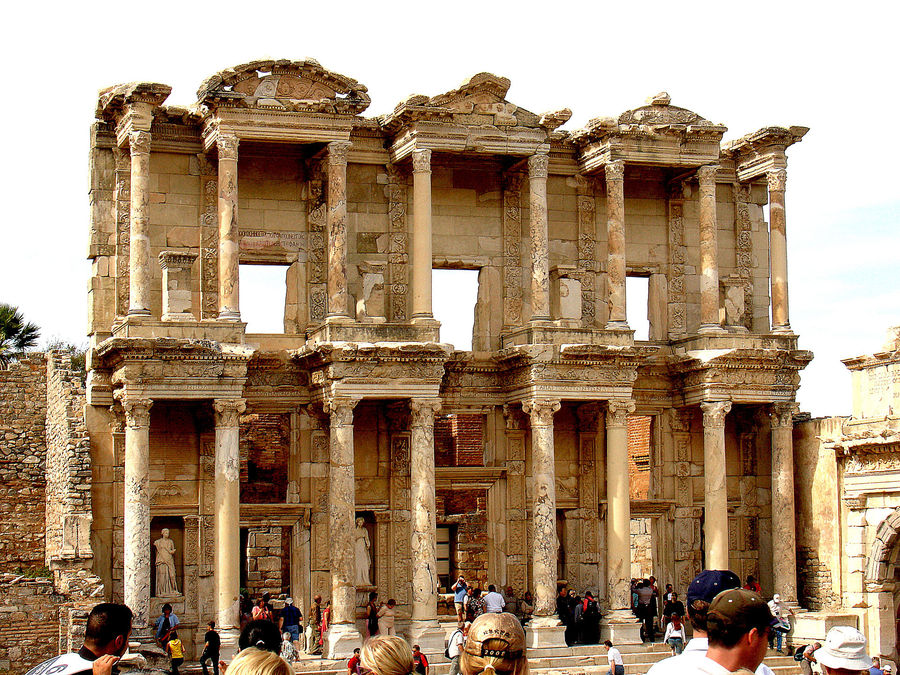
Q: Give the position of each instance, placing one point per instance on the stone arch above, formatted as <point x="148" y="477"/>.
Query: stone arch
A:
<point x="878" y="566"/>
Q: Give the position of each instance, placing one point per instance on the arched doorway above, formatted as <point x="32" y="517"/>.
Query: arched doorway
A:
<point x="882" y="584"/>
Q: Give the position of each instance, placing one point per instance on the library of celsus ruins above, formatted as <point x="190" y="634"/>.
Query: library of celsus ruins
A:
<point x="355" y="451"/>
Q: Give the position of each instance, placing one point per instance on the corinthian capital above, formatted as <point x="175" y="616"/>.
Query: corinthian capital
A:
<point x="537" y="165"/>
<point x="617" y="412"/>
<point x="540" y="410"/>
<point x="777" y="180"/>
<point x="341" y="410"/>
<point x="707" y="175"/>
<point x="423" y="411"/>
<point x="137" y="411"/>
<point x="782" y="414"/>
<point x="337" y="152"/>
<point x="615" y="170"/>
<point x="228" y="411"/>
<point x="228" y="146"/>
<point x="714" y="413"/>
<point x="139" y="142"/>
<point x="421" y="161"/>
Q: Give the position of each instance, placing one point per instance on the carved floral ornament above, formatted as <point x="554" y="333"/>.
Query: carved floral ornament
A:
<point x="341" y="410"/>
<point x="782" y="414"/>
<point x="714" y="413"/>
<point x="421" y="160"/>
<point x="538" y="165"/>
<point x="227" y="145"/>
<point x="137" y="411"/>
<point x="540" y="411"/>
<point x="139" y="142"/>
<point x="706" y="175"/>
<point x="617" y="412"/>
<point x="228" y="411"/>
<point x="615" y="170"/>
<point x="777" y="180"/>
<point x="337" y="152"/>
<point x="423" y="411"/>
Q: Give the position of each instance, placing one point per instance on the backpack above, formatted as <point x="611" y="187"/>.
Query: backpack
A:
<point x="798" y="653"/>
<point x="450" y="642"/>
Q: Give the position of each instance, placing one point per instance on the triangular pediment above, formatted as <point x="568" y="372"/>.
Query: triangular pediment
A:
<point x="303" y="86"/>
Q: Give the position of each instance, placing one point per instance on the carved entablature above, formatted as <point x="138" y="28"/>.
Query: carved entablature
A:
<point x="130" y="106"/>
<point x="469" y="382"/>
<point x="168" y="368"/>
<point x="656" y="134"/>
<point x="274" y="380"/>
<point x="280" y="100"/>
<point x="475" y="118"/>
<point x="741" y="375"/>
<point x="381" y="370"/>
<point x="585" y="372"/>
<point x="762" y="151"/>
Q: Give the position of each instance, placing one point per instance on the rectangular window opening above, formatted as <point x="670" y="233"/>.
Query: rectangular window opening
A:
<point x="637" y="305"/>
<point x="454" y="294"/>
<point x="262" y="295"/>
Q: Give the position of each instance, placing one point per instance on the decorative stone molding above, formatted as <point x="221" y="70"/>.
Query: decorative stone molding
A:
<point x="423" y="411"/>
<point x="714" y="413"/>
<point x="209" y="238"/>
<point x="341" y="410"/>
<point x="337" y="152"/>
<point x="139" y="142"/>
<point x="706" y="175"/>
<point x="228" y="412"/>
<point x="540" y="411"/>
<point x="615" y="170"/>
<point x="857" y="503"/>
<point x="776" y="180"/>
<point x="782" y="414"/>
<point x="538" y="165"/>
<point x="617" y="412"/>
<point x="587" y="265"/>
<point x="227" y="145"/>
<point x="398" y="254"/>
<point x="512" y="256"/>
<point x="137" y="411"/>
<point x="421" y="160"/>
<point x="316" y="218"/>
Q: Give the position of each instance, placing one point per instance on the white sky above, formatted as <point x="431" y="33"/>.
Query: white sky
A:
<point x="829" y="66"/>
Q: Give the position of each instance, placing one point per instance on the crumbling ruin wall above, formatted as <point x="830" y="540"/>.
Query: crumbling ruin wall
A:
<point x="23" y="409"/>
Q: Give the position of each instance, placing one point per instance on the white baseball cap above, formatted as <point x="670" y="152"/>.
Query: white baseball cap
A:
<point x="844" y="647"/>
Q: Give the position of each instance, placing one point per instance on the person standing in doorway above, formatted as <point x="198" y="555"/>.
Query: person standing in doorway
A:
<point x="460" y="590"/>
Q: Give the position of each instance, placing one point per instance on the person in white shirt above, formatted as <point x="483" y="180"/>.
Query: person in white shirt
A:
<point x="454" y="646"/>
<point x="493" y="601"/>
<point x="700" y="594"/>
<point x="614" y="656"/>
<point x="674" y="636"/>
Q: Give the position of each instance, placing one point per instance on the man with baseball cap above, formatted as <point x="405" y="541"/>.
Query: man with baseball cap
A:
<point x="701" y="592"/>
<point x="844" y="652"/>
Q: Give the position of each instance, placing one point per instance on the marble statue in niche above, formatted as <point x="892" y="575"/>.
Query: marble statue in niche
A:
<point x="166" y="583"/>
<point x="362" y="549"/>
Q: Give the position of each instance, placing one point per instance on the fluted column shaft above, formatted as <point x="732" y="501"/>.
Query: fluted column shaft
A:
<point x="139" y="235"/>
<point x="615" y="237"/>
<point x="618" y="510"/>
<point x="342" y="510"/>
<point x="540" y="253"/>
<point x="421" y="239"/>
<point x="778" y="251"/>
<point x="136" y="559"/>
<point x="709" y="251"/>
<point x="716" y="498"/>
<point x="227" y="510"/>
<point x="424" y="543"/>
<point x="546" y="546"/>
<point x="229" y="245"/>
<point x="338" y="295"/>
<point x="784" y="539"/>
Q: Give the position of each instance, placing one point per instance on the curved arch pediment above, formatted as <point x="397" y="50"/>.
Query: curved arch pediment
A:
<point x="298" y="86"/>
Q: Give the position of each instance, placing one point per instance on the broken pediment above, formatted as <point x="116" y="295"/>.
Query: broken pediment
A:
<point x="294" y="86"/>
<point x="112" y="102"/>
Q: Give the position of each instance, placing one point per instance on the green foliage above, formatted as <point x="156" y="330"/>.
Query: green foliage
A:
<point x="16" y="335"/>
<point x="78" y="352"/>
<point x="34" y="572"/>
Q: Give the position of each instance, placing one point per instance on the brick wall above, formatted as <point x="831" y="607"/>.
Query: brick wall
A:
<point x="459" y="440"/>
<point x="265" y="448"/>
<point x="639" y="455"/>
<point x="23" y="408"/>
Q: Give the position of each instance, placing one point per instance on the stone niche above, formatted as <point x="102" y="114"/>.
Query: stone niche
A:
<point x="175" y="525"/>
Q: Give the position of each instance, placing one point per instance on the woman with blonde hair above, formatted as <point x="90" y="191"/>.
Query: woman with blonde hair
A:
<point x="495" y="642"/>
<point x="387" y="655"/>
<point x="255" y="661"/>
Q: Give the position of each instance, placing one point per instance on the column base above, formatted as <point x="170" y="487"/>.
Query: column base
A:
<point x="617" y="325"/>
<point x="428" y="634"/>
<point x="783" y="330"/>
<point x="545" y="631"/>
<point x="229" y="645"/>
<point x="229" y="315"/>
<point x="138" y="311"/>
<point x="340" y="641"/>
<point x="711" y="328"/>
<point x="621" y="628"/>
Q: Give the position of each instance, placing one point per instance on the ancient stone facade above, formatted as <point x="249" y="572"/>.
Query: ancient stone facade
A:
<point x="848" y="480"/>
<point x="284" y="441"/>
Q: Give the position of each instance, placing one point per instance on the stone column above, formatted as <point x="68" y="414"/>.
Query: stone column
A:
<point x="540" y="254"/>
<point x="424" y="630"/>
<point x="342" y="636"/>
<point x="229" y="253"/>
<point x="137" y="508"/>
<point x="784" y="542"/>
<point x="778" y="251"/>
<point x="709" y="253"/>
<point x="227" y="519"/>
<point x="338" y="298"/>
<point x="716" y="501"/>
<point x="421" y="248"/>
<point x="615" y="242"/>
<point x="139" y="235"/>
<point x="546" y="628"/>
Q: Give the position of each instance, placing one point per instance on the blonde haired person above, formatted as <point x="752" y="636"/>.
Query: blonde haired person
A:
<point x="255" y="661"/>
<point x="387" y="655"/>
<point x="495" y="642"/>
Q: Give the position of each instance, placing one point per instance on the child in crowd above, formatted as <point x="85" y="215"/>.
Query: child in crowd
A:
<point x="175" y="650"/>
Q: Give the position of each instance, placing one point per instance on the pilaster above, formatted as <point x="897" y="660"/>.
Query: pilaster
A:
<point x="422" y="240"/>
<point x="615" y="238"/>
<point x="540" y="265"/>
<point x="229" y="253"/>
<point x="338" y="295"/>
<point x="709" y="252"/>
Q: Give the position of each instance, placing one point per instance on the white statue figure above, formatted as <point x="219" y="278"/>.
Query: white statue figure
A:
<point x="361" y="548"/>
<point x="165" y="566"/>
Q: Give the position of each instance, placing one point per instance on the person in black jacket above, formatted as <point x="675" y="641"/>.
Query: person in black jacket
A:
<point x="211" y="646"/>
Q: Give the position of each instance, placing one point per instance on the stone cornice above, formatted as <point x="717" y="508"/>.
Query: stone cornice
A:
<point x="763" y="151"/>
<point x="113" y="102"/>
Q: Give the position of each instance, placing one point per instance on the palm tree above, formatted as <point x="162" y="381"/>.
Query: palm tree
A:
<point x="16" y="335"/>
